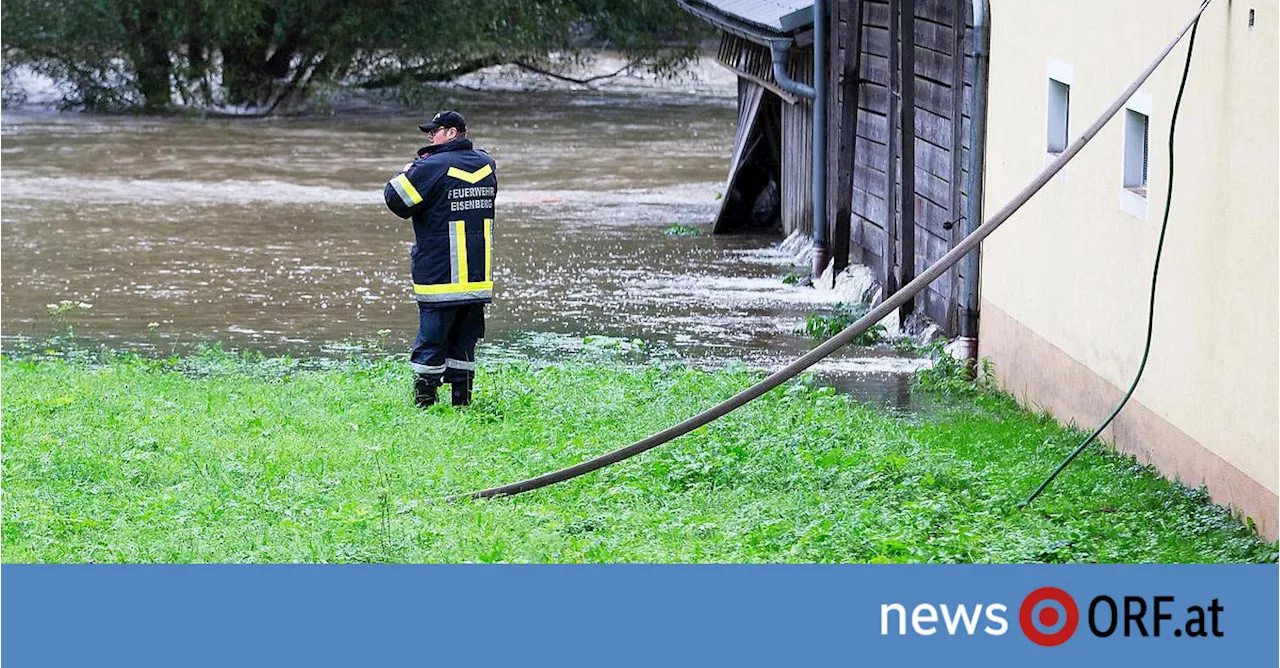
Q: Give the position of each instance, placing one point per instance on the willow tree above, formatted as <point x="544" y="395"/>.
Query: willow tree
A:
<point x="267" y="55"/>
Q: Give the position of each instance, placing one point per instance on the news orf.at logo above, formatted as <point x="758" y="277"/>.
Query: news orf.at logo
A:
<point x="1048" y="616"/>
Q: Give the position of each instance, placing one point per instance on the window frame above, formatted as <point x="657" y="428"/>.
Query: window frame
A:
<point x="1135" y="181"/>
<point x="1057" y="108"/>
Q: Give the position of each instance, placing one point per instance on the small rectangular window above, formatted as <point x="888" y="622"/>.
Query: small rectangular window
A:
<point x="1059" y="113"/>
<point x="1135" y="152"/>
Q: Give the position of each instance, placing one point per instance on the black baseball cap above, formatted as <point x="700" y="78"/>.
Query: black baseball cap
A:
<point x="445" y="119"/>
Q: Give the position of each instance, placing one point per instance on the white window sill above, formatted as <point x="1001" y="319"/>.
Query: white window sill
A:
<point x="1049" y="157"/>
<point x="1133" y="201"/>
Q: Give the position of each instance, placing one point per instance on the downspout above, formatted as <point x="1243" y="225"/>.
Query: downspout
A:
<point x="820" y="245"/>
<point x="778" y="48"/>
<point x="977" y="162"/>
<point x="818" y="93"/>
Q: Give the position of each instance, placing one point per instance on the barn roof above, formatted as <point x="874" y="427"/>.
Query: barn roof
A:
<point x="770" y="16"/>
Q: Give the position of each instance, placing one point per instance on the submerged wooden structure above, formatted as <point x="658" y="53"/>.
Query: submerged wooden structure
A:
<point x="897" y="148"/>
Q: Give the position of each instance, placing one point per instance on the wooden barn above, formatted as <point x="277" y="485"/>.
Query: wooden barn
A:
<point x="867" y="117"/>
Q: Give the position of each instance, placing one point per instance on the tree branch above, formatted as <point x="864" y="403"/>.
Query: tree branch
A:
<point x="422" y="74"/>
<point x="581" y="82"/>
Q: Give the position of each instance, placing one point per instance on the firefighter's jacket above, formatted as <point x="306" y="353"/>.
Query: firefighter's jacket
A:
<point x="449" y="192"/>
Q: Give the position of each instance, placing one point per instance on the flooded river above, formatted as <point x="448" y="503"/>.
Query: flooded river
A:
<point x="272" y="235"/>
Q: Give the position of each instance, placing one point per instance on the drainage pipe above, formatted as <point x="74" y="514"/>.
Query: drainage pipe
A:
<point x="820" y="245"/>
<point x="846" y="335"/>
<point x="977" y="166"/>
<point x="778" y="49"/>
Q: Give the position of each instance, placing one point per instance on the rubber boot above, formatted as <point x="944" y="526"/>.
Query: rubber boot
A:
<point x="425" y="391"/>
<point x="461" y="393"/>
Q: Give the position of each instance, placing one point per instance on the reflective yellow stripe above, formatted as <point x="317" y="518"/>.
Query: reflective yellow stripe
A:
<point x="460" y="231"/>
<point x="408" y="188"/>
<point x="488" y="248"/>
<point x="446" y="288"/>
<point x="470" y="177"/>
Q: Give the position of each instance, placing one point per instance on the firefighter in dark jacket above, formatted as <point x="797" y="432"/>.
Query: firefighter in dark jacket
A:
<point x="449" y="192"/>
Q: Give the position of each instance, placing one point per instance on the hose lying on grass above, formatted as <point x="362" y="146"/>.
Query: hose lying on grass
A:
<point x="874" y="316"/>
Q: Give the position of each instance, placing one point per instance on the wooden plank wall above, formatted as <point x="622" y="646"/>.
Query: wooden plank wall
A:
<point x="797" y="150"/>
<point x="750" y="95"/>
<point x="939" y="200"/>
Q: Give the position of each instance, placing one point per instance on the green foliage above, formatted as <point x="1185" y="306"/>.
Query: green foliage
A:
<point x="10" y="92"/>
<point x="225" y="458"/>
<point x="952" y="376"/>
<point x="681" y="230"/>
<point x="274" y="53"/>
<point x="218" y="458"/>
<point x="66" y="305"/>
<point x="598" y="342"/>
<point x="822" y="326"/>
<point x="794" y="277"/>
<point x="58" y="315"/>
<point x="419" y="95"/>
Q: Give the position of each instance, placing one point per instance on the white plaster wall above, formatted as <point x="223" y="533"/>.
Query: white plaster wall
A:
<point x="1074" y="267"/>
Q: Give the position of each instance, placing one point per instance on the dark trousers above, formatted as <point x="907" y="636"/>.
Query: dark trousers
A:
<point x="445" y="350"/>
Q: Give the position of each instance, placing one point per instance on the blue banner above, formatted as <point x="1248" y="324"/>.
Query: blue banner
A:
<point x="625" y="615"/>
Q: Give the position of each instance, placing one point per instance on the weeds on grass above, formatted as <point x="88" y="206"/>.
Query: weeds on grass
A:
<point x="822" y="326"/>
<point x="952" y="376"/>
<point x="681" y="230"/>
<point x="58" y="315"/>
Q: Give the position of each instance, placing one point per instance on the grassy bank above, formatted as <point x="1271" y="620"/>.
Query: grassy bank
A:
<point x="219" y="459"/>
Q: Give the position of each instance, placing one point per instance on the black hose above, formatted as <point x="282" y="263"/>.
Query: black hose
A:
<point x="882" y="310"/>
<point x="1155" y="275"/>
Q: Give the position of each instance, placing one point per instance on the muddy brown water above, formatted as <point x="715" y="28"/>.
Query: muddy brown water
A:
<point x="271" y="235"/>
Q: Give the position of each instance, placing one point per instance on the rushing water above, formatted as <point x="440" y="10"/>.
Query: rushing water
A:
<point x="272" y="235"/>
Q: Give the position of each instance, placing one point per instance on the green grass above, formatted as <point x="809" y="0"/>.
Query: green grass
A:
<point x="216" y="458"/>
<point x="682" y="230"/>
